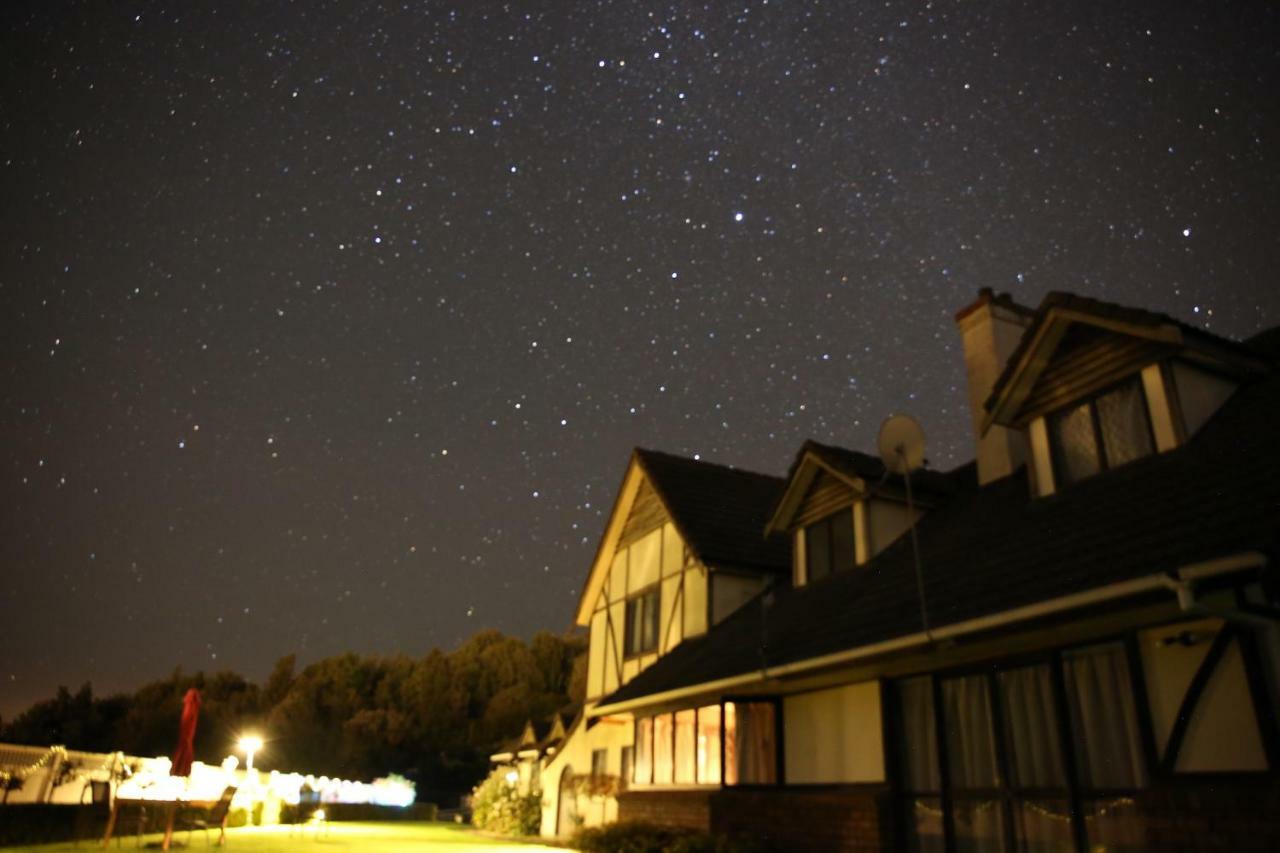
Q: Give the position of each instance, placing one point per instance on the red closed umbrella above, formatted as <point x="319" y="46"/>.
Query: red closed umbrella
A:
<point x="185" y="753"/>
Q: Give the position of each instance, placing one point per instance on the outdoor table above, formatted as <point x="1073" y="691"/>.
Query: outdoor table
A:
<point x="173" y="806"/>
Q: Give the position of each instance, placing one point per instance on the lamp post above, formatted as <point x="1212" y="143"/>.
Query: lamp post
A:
<point x="250" y="744"/>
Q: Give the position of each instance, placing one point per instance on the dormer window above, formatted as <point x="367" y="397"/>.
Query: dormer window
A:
<point x="829" y="545"/>
<point x="1104" y="432"/>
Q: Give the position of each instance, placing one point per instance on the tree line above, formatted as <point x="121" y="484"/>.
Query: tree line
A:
<point x="434" y="719"/>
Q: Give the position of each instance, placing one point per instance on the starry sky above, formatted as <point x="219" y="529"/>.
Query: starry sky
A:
<point x="329" y="326"/>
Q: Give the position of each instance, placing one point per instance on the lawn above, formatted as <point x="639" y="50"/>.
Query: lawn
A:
<point x="370" y="837"/>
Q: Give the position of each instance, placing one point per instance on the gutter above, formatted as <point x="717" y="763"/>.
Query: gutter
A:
<point x="1177" y="580"/>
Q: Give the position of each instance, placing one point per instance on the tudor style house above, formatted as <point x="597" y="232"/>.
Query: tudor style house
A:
<point x="1078" y="647"/>
<point x="681" y="552"/>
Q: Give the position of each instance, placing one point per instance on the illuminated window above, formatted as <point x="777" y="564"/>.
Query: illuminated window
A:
<point x="663" y="746"/>
<point x="828" y="545"/>
<point x="750" y="743"/>
<point x="708" y="747"/>
<point x="643" y="767"/>
<point x="686" y="740"/>
<point x="683" y="748"/>
<point x="642" y="623"/>
<point x="1104" y="432"/>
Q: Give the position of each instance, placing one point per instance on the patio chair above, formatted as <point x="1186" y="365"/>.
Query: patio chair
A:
<point x="216" y="816"/>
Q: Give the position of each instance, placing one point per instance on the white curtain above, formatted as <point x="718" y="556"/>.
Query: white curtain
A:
<point x="971" y="751"/>
<point x="918" y="735"/>
<point x="1031" y="727"/>
<point x="1104" y="722"/>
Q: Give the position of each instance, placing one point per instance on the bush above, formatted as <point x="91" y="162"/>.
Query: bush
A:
<point x="498" y="806"/>
<point x="649" y="838"/>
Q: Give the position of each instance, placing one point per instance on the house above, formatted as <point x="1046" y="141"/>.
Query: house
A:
<point x="524" y="757"/>
<point x="1070" y="643"/>
<point x="681" y="552"/>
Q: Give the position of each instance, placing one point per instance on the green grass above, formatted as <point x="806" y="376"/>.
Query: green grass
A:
<point x="370" y="837"/>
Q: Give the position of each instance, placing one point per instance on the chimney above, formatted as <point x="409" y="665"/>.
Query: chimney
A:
<point x="990" y="330"/>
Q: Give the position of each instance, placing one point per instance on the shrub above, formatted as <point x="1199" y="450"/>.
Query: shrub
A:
<point x="498" y="806"/>
<point x="649" y="838"/>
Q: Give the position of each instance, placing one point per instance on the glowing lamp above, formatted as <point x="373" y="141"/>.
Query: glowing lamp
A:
<point x="250" y="744"/>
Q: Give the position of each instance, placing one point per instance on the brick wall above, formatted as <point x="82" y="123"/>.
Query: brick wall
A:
<point x="799" y="820"/>
<point x="1225" y="813"/>
<point x="690" y="809"/>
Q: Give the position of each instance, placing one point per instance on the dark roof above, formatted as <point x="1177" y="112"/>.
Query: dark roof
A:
<point x="720" y="511"/>
<point x="995" y="548"/>
<point x="1104" y="311"/>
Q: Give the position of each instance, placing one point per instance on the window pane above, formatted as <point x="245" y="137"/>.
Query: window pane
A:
<point x="918" y="735"/>
<point x="979" y="825"/>
<point x="1074" y="446"/>
<point x="924" y="826"/>
<point x="649" y="634"/>
<point x="626" y="765"/>
<point x="632" y="628"/>
<point x="971" y="749"/>
<point x="1044" y="825"/>
<point x="842" y="552"/>
<point x="662" y="765"/>
<point x="754" y="754"/>
<point x="1030" y="728"/>
<point x="686" y="723"/>
<point x="599" y="762"/>
<point x="1104" y="724"/>
<point x="644" y="751"/>
<point x="1122" y="417"/>
<point x="709" y="745"/>
<point x="817" y="550"/>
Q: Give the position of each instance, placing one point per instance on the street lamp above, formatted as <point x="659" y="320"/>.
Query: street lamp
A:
<point x="250" y="744"/>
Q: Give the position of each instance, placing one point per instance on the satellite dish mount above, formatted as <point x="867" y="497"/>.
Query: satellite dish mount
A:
<point x="901" y="444"/>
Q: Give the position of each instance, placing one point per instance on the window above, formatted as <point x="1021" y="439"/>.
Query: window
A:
<point x="983" y="758"/>
<point x="828" y="545"/>
<point x="663" y="749"/>
<point x="1104" y="432"/>
<point x="643" y="768"/>
<point x="750" y="743"/>
<point x="599" y="763"/>
<point x="708" y="749"/>
<point x="628" y="762"/>
<point x="684" y="747"/>
<point x="642" y="623"/>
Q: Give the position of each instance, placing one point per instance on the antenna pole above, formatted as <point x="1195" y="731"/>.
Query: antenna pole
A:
<point x="915" y="543"/>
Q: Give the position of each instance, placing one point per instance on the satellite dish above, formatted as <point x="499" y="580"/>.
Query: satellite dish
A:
<point x="901" y="443"/>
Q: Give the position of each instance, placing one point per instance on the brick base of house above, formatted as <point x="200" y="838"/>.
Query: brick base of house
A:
<point x="797" y="820"/>
<point x="1226" y="813"/>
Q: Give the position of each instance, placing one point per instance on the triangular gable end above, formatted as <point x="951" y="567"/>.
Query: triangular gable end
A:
<point x="639" y="509"/>
<point x="1069" y="353"/>
<point x="813" y="484"/>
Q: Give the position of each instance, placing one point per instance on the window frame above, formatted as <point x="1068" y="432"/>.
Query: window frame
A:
<point x="778" y="745"/>
<point x="1007" y="793"/>
<point x="827" y="522"/>
<point x="637" y="600"/>
<point x="1104" y="464"/>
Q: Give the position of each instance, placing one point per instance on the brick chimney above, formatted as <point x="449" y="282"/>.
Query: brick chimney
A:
<point x="990" y="330"/>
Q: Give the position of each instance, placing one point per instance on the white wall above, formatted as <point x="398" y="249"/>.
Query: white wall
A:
<point x="834" y="735"/>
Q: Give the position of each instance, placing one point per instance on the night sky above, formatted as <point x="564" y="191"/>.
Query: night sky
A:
<point x="330" y="326"/>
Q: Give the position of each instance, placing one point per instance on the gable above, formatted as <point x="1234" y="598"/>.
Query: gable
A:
<point x="647" y="514"/>
<point x="826" y="495"/>
<point x="1077" y="346"/>
<point x="1086" y="360"/>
